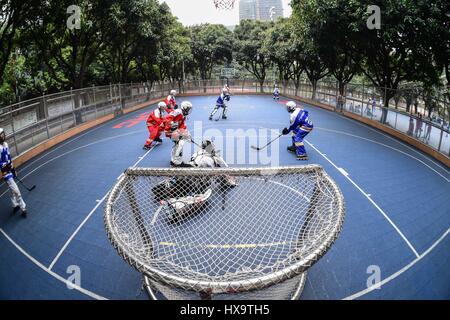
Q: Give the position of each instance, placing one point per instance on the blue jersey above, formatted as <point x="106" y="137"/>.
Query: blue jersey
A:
<point x="221" y="100"/>
<point x="5" y="159"/>
<point x="300" y="121"/>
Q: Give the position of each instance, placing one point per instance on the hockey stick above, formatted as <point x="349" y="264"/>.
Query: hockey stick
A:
<point x="192" y="140"/>
<point x="25" y="186"/>
<point x="261" y="148"/>
<point x="218" y="118"/>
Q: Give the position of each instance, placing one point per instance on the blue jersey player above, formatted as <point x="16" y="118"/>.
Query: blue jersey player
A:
<point x="276" y="94"/>
<point x="220" y="103"/>
<point x="301" y="125"/>
<point x="9" y="173"/>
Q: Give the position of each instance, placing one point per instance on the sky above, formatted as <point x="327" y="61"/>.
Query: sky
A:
<point x="191" y="12"/>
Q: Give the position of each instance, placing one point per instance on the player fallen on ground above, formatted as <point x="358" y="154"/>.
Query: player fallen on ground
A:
<point x="171" y="102"/>
<point x="276" y="94"/>
<point x="301" y="126"/>
<point x="9" y="173"/>
<point x="220" y="103"/>
<point x="209" y="157"/>
<point x="176" y="130"/>
<point x="182" y="196"/>
<point x="155" y="126"/>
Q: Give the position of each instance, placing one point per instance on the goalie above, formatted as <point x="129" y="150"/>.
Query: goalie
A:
<point x="220" y="103"/>
<point x="183" y="196"/>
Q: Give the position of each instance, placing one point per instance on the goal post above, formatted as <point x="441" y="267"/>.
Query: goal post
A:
<point x="224" y="233"/>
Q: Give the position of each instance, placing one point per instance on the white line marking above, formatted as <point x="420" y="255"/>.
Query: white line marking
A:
<point x="398" y="141"/>
<point x="76" y="232"/>
<point x="387" y="146"/>
<point x="51" y="273"/>
<point x="155" y="216"/>
<point x="345" y="173"/>
<point x="370" y="200"/>
<point x="87" y="218"/>
<point x="399" y="272"/>
<point x="73" y="150"/>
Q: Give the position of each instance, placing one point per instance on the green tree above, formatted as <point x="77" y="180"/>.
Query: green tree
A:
<point x="69" y="52"/>
<point x="211" y="45"/>
<point x="14" y="16"/>
<point x="250" y="50"/>
<point x="135" y="29"/>
<point x="175" y="54"/>
<point x="285" y="48"/>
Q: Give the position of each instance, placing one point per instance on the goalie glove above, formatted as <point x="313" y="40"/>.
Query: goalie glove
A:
<point x="285" y="131"/>
<point x="7" y="167"/>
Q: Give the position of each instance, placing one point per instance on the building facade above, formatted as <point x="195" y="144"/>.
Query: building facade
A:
<point x="264" y="10"/>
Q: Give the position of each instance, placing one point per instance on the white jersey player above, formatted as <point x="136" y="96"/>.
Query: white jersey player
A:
<point x="208" y="156"/>
<point x="176" y="129"/>
<point x="9" y="173"/>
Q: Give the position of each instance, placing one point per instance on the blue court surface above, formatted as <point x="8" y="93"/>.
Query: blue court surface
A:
<point x="397" y="205"/>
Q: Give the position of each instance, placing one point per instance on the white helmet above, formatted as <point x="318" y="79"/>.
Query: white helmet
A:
<point x="186" y="107"/>
<point x="162" y="106"/>
<point x="173" y="92"/>
<point x="2" y="135"/>
<point x="208" y="145"/>
<point x="291" y="106"/>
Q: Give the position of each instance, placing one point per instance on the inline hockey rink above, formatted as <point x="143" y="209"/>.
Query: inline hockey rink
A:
<point x="396" y="225"/>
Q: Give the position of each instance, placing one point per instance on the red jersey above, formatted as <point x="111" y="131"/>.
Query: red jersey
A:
<point x="170" y="102"/>
<point x="155" y="118"/>
<point x="175" y="116"/>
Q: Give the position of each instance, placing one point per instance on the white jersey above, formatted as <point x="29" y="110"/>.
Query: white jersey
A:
<point x="204" y="159"/>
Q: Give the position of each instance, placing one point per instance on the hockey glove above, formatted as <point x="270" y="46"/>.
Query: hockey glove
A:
<point x="285" y="131"/>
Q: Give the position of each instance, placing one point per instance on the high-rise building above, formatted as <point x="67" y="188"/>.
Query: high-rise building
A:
<point x="265" y="10"/>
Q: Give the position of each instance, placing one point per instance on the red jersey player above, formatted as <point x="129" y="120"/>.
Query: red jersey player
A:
<point x="171" y="102"/>
<point x="155" y="125"/>
<point x="176" y="129"/>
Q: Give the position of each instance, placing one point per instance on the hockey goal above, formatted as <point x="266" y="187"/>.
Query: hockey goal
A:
<point x="228" y="233"/>
<point x="224" y="4"/>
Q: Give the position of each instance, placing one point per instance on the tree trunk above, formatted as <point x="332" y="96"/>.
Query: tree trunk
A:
<point x="314" y="89"/>
<point x="342" y="88"/>
<point x="408" y="106"/>
<point x="384" y="114"/>
<point x="261" y="84"/>
<point x="297" y="86"/>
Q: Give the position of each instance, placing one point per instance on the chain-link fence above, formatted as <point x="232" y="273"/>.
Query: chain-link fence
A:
<point x="34" y="121"/>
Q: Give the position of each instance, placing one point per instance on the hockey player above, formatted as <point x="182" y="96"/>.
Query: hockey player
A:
<point x="300" y="127"/>
<point x="276" y="94"/>
<point x="226" y="88"/>
<point x="220" y="103"/>
<point x="176" y="129"/>
<point x="155" y="125"/>
<point x="208" y="156"/>
<point x="171" y="102"/>
<point x="9" y="173"/>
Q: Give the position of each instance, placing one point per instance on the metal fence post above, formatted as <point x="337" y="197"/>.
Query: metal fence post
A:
<point x="46" y="115"/>
<point x="440" y="140"/>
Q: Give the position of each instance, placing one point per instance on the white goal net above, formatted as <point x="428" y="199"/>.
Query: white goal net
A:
<point x="231" y="233"/>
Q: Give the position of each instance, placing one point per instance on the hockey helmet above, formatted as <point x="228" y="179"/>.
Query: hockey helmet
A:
<point x="291" y="106"/>
<point x="186" y="107"/>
